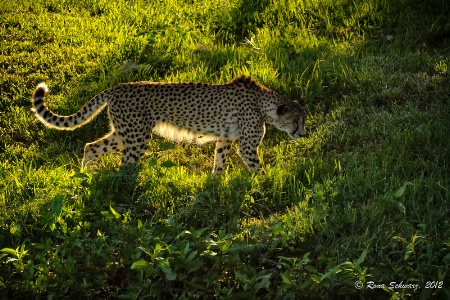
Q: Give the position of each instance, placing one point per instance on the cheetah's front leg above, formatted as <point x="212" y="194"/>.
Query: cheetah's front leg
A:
<point x="221" y="152"/>
<point x="249" y="141"/>
<point x="134" y="149"/>
<point x="250" y="156"/>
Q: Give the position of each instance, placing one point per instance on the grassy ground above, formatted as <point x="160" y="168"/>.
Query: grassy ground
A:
<point x="363" y="200"/>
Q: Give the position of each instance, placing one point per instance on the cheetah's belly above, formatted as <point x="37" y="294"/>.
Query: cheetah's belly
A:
<point x="226" y="131"/>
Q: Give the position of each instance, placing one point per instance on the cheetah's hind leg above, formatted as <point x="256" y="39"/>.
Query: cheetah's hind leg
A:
<point x="220" y="156"/>
<point x="109" y="143"/>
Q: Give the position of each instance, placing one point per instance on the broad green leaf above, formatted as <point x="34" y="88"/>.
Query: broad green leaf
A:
<point x="285" y="279"/>
<point x="60" y="171"/>
<point x="9" y="251"/>
<point x="107" y="214"/>
<point x="241" y="276"/>
<point x="225" y="245"/>
<point x="157" y="249"/>
<point x="409" y="251"/>
<point x="166" y="146"/>
<point x="15" y="228"/>
<point x="305" y="258"/>
<point x="140" y="264"/>
<point x="238" y="247"/>
<point x="264" y="282"/>
<point x="165" y="267"/>
<point x="56" y="205"/>
<point x="399" y="193"/>
<point x="278" y="229"/>
<point x="153" y="162"/>
<point x="310" y="269"/>
<point x="168" y="164"/>
<point x="146" y="251"/>
<point x="199" y="232"/>
<point x="191" y="256"/>
<point x="361" y="258"/>
<point x="115" y="213"/>
<point x="442" y="271"/>
<point x="187" y="247"/>
<point x="330" y="272"/>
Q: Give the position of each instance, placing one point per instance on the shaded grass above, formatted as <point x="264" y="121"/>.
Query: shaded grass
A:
<point x="364" y="197"/>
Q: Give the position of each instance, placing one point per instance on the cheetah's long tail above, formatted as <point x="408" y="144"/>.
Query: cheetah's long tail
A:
<point x="78" y="119"/>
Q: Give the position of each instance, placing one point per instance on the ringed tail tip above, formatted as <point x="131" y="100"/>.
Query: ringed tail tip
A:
<point x="41" y="90"/>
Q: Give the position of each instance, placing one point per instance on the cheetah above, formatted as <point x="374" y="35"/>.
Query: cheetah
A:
<point x="191" y="112"/>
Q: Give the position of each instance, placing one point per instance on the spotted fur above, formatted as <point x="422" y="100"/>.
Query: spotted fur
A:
<point x="192" y="112"/>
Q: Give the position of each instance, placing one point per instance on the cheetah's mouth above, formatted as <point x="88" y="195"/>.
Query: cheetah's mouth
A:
<point x="296" y="128"/>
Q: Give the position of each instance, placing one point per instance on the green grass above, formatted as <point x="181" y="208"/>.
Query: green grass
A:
<point x="365" y="197"/>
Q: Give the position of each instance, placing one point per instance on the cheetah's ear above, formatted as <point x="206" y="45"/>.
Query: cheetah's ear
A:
<point x="282" y="109"/>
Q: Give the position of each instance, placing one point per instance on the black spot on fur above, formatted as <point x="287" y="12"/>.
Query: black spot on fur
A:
<point x="40" y="109"/>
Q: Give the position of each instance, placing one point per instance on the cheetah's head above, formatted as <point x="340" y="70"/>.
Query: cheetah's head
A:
<point x="291" y="118"/>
